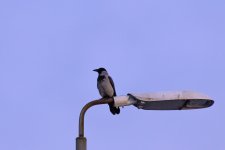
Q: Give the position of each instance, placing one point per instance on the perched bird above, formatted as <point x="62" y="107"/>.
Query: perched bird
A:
<point x="106" y="88"/>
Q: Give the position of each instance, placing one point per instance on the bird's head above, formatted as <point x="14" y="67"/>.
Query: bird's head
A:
<point x="100" y="70"/>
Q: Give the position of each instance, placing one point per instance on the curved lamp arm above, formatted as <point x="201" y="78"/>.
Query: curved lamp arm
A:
<point x="81" y="140"/>
<point x="85" y="108"/>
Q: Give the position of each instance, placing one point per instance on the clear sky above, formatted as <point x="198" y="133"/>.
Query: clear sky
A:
<point x="48" y="49"/>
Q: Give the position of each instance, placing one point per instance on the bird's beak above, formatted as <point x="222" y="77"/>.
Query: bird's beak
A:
<point x="96" y="70"/>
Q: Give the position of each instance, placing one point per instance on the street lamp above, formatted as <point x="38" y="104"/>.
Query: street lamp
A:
<point x="180" y="100"/>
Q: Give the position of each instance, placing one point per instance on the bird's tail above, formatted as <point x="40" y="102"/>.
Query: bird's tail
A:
<point x="114" y="110"/>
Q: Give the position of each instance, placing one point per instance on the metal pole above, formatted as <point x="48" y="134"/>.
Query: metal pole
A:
<point x="81" y="141"/>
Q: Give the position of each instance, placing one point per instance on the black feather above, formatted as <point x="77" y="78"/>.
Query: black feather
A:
<point x="112" y="83"/>
<point x="100" y="78"/>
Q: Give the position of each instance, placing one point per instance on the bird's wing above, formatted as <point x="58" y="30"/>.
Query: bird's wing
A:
<point x="112" y="83"/>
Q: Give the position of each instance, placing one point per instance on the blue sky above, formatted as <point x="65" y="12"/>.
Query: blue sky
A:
<point x="48" y="50"/>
